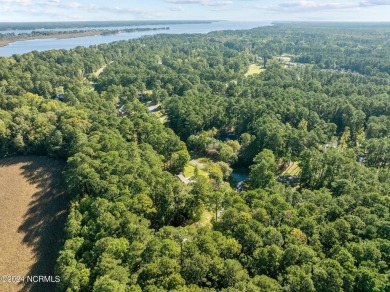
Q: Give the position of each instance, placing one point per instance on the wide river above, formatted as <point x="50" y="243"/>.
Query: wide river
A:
<point x="22" y="47"/>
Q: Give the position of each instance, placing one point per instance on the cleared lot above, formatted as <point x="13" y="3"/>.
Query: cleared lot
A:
<point x="32" y="217"/>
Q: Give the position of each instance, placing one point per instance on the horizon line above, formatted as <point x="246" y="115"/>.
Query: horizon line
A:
<point x="204" y="20"/>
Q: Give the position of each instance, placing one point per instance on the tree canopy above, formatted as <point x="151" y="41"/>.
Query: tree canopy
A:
<point x="321" y="105"/>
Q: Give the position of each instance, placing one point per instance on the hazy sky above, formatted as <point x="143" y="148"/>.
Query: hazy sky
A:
<point x="63" y="10"/>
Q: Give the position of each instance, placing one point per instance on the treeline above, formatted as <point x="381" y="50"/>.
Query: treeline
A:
<point x="34" y="33"/>
<point x="358" y="47"/>
<point x="133" y="226"/>
<point x="116" y="31"/>
<point x="6" y="38"/>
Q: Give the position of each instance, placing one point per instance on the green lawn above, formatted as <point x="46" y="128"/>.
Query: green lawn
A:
<point x="292" y="170"/>
<point x="204" y="160"/>
<point x="205" y="219"/>
<point x="160" y="115"/>
<point x="253" y="69"/>
<point x="189" y="171"/>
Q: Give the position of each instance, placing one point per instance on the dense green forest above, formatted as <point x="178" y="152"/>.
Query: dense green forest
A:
<point x="319" y="103"/>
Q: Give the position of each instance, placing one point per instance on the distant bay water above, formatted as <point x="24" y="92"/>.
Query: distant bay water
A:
<point x="22" y="47"/>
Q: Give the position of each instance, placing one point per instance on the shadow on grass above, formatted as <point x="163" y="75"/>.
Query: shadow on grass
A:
<point x="43" y="223"/>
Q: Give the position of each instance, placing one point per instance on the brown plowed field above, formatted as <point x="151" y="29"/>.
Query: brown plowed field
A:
<point x="32" y="217"/>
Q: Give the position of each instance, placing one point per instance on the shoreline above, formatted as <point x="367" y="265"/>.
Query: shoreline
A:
<point x="71" y="39"/>
<point x="62" y="35"/>
<point x="4" y="43"/>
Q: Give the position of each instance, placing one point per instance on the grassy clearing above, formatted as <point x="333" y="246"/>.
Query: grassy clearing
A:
<point x="292" y="170"/>
<point x="159" y="114"/>
<point x="100" y="70"/>
<point x="205" y="219"/>
<point x="148" y="91"/>
<point x="162" y="117"/>
<point x="204" y="160"/>
<point x="253" y="69"/>
<point x="284" y="58"/>
<point x="189" y="171"/>
<point x="33" y="213"/>
<point x="156" y="110"/>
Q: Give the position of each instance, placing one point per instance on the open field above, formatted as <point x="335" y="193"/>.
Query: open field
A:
<point x="32" y="217"/>
<point x="253" y="69"/>
<point x="292" y="170"/>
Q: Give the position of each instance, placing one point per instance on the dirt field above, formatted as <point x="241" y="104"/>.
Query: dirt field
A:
<point x="32" y="216"/>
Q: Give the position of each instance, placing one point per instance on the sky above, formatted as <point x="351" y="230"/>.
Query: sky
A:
<point x="239" y="10"/>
